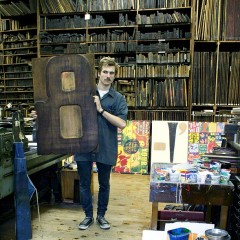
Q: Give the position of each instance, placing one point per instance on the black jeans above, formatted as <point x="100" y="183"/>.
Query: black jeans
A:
<point x="85" y="174"/>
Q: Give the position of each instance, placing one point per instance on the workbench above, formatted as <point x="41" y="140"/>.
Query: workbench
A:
<point x="191" y="193"/>
<point x="35" y="163"/>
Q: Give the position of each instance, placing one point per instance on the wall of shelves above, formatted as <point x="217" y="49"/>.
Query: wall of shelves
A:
<point x="151" y="44"/>
<point x="177" y="58"/>
<point x="215" y="59"/>
<point x="18" y="46"/>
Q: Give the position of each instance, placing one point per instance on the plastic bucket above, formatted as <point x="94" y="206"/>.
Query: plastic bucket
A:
<point x="178" y="234"/>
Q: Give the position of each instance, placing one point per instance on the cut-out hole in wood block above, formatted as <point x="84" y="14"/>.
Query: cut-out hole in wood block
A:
<point x="68" y="81"/>
<point x="71" y="121"/>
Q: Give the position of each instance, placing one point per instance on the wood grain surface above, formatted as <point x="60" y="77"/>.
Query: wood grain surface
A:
<point x="129" y="213"/>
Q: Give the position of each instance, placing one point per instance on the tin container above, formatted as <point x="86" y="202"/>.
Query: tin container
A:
<point x="217" y="234"/>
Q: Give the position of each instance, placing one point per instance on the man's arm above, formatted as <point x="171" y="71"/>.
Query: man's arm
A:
<point x="114" y="120"/>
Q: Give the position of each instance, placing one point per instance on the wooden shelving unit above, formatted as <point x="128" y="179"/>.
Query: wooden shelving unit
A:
<point x="177" y="58"/>
<point x="18" y="46"/>
<point x="152" y="45"/>
<point x="215" y="58"/>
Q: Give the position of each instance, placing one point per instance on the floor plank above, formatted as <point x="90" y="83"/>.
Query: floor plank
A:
<point x="129" y="213"/>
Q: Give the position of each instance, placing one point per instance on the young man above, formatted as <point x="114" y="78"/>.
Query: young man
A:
<point x="112" y="114"/>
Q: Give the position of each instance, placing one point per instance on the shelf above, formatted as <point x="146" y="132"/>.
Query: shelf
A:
<point x="19" y="30"/>
<point x="20" y="54"/>
<point x="167" y="8"/>
<point x="142" y="26"/>
<point x="17" y="79"/>
<point x="56" y="15"/>
<point x="159" y="108"/>
<point x="25" y="86"/>
<point x="19" y="46"/>
<point x="223" y="156"/>
<point x="46" y="30"/>
<point x="19" y="40"/>
<point x="16" y="64"/>
<point x="18" y="92"/>
<point x="59" y="43"/>
<point x="113" y="11"/>
<point x="109" y="42"/>
<point x="111" y="27"/>
<point x="19" y="99"/>
<point x="162" y="63"/>
<point x="18" y="71"/>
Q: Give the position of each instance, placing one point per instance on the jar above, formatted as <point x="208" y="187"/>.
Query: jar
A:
<point x="184" y="175"/>
<point x="192" y="177"/>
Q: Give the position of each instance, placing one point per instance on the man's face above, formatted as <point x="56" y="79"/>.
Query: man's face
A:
<point x="107" y="75"/>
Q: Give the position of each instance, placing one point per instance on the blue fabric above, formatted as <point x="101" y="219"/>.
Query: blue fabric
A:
<point x="21" y="194"/>
<point x="85" y="174"/>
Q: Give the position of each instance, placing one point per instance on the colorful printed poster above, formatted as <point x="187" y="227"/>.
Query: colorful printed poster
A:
<point x="204" y="140"/>
<point x="212" y="127"/>
<point x="193" y="148"/>
<point x="193" y="137"/>
<point x="169" y="142"/>
<point x="202" y="149"/>
<point x="203" y="137"/>
<point x="211" y="142"/>
<point x="220" y="128"/>
<point x="133" y="147"/>
<point x="218" y="139"/>
<point x="203" y="126"/>
<point x="194" y="127"/>
<point x="193" y="156"/>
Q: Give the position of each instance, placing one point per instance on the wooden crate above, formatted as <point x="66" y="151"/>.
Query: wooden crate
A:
<point x="68" y="178"/>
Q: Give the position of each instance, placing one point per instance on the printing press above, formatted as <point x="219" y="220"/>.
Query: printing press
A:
<point x="9" y="128"/>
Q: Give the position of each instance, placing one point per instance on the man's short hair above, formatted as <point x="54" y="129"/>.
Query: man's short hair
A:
<point x="108" y="61"/>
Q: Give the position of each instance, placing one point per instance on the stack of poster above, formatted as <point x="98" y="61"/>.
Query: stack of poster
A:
<point x="183" y="141"/>
<point x="203" y="137"/>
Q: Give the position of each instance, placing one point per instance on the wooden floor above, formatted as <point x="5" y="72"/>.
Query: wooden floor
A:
<point x="129" y="213"/>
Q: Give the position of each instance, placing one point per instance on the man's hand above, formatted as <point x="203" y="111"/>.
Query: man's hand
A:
<point x="98" y="104"/>
<point x="33" y="114"/>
